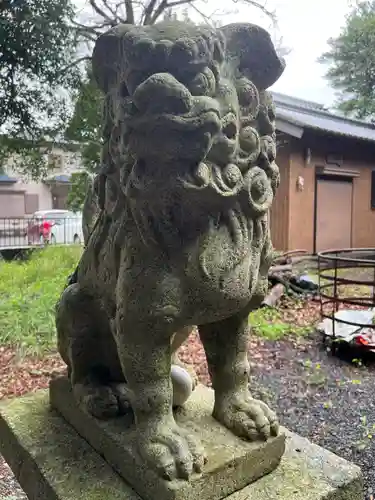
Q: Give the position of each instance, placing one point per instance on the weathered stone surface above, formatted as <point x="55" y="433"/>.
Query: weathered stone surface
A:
<point x="232" y="463"/>
<point x="307" y="472"/>
<point x="180" y="235"/>
<point x="49" y="459"/>
<point x="52" y="462"/>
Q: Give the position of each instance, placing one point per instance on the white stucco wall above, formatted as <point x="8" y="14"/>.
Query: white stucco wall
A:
<point x="68" y="163"/>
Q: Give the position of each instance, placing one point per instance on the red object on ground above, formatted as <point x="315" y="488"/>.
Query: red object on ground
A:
<point x="362" y="340"/>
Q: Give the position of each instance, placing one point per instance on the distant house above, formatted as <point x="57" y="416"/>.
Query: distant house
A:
<point x="20" y="197"/>
<point x="327" y="164"/>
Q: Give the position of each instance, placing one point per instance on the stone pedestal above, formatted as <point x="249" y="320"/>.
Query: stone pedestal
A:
<point x="52" y="462"/>
<point x="232" y="463"/>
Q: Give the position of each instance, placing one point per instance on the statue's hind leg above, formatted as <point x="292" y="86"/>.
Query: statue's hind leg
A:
<point x="226" y="343"/>
<point x="86" y="345"/>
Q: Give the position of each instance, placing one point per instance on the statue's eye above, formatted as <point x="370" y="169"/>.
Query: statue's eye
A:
<point x="204" y="83"/>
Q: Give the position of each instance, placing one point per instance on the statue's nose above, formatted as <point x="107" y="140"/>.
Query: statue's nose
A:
<point x="162" y="93"/>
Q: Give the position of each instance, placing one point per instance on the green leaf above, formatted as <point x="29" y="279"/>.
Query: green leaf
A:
<point x="37" y="79"/>
<point x="80" y="183"/>
<point x="350" y="62"/>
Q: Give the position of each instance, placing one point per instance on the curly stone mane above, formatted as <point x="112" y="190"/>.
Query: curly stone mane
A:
<point x="188" y="124"/>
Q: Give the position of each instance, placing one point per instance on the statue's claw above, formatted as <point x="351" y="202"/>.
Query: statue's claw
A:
<point x="171" y="451"/>
<point x="247" y="417"/>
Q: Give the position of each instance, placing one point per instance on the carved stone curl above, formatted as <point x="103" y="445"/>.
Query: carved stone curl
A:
<point x="182" y="238"/>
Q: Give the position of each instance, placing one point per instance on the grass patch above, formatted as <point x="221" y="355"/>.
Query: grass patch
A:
<point x="28" y="294"/>
<point x="267" y="323"/>
<point x="29" y="291"/>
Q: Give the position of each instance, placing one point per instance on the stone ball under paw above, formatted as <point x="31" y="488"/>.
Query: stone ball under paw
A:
<point x="182" y="384"/>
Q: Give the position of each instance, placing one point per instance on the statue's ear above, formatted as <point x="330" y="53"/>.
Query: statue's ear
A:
<point x="107" y="56"/>
<point x="255" y="53"/>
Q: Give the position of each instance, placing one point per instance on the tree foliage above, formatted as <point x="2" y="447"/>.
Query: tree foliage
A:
<point x="85" y="125"/>
<point x="351" y="61"/>
<point x="85" y="128"/>
<point x="80" y="183"/>
<point x="37" y="45"/>
<point x="105" y="14"/>
<point x="37" y="70"/>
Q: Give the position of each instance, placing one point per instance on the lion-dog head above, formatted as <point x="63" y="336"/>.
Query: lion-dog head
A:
<point x="189" y="124"/>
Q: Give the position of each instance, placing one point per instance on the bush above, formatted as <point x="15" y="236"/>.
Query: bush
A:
<point x="28" y="294"/>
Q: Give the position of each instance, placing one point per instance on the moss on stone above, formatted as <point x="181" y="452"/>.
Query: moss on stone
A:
<point x="53" y="463"/>
<point x="228" y="456"/>
<point x="307" y="472"/>
<point x="48" y="457"/>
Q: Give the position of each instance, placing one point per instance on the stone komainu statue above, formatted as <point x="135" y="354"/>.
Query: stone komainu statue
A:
<point x="182" y="237"/>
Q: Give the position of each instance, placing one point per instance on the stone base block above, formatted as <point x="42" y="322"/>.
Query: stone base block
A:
<point x="52" y="462"/>
<point x="232" y="463"/>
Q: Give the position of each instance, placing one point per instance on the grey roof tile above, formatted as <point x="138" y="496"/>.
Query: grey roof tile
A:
<point x="6" y="179"/>
<point x="288" y="100"/>
<point x="311" y="115"/>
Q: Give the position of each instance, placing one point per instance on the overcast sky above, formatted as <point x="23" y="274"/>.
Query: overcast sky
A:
<point x="305" y="26"/>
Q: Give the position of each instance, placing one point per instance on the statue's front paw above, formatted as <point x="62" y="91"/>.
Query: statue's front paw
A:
<point x="171" y="451"/>
<point x="247" y="417"/>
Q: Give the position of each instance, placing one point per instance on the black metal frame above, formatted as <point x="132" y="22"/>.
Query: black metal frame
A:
<point x="333" y="261"/>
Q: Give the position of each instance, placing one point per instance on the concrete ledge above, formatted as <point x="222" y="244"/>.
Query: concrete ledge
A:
<point x="307" y="472"/>
<point x="232" y="462"/>
<point x="52" y="462"/>
<point x="49" y="459"/>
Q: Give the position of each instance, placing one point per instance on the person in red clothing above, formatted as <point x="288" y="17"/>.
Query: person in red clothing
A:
<point x="46" y="230"/>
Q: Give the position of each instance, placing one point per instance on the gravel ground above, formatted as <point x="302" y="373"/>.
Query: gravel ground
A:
<point x="328" y="399"/>
<point x="9" y="487"/>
